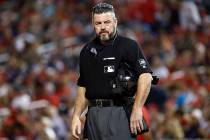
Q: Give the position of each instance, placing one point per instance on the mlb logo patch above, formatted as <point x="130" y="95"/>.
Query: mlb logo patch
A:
<point x="109" y="69"/>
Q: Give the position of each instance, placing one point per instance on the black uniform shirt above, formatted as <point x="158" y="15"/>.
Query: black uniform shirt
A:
<point x="99" y="64"/>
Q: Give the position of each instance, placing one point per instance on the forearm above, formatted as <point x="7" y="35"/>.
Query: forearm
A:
<point x="80" y="102"/>
<point x="143" y="88"/>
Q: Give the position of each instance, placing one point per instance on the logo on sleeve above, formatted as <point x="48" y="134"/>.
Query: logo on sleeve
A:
<point x="109" y="69"/>
<point x="93" y="50"/>
<point x="142" y="63"/>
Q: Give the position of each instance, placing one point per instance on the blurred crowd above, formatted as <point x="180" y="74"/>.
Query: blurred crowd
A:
<point x="40" y="42"/>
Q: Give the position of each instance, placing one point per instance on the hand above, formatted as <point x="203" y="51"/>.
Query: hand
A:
<point x="136" y="123"/>
<point x="76" y="127"/>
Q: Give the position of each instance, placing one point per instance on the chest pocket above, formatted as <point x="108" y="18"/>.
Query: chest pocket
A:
<point x="109" y="66"/>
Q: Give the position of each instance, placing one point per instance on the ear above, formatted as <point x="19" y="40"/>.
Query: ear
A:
<point x="93" y="25"/>
<point x="116" y="22"/>
<point x="92" y="21"/>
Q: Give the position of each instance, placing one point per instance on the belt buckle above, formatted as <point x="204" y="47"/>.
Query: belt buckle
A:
<point x="99" y="103"/>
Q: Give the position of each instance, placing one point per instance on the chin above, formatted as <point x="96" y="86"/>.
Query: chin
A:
<point x="104" y="38"/>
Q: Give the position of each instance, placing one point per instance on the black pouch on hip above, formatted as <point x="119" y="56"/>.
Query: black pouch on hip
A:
<point x="128" y="110"/>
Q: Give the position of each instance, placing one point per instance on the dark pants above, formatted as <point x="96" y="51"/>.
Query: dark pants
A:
<point x="107" y="123"/>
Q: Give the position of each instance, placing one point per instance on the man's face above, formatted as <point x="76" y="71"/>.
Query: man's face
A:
<point x="105" y="25"/>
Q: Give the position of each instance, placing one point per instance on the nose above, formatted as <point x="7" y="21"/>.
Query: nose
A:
<point x="103" y="26"/>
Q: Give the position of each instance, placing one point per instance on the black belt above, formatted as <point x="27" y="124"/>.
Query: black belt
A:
<point x="109" y="102"/>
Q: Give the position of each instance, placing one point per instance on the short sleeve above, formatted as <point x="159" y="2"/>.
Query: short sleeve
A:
<point x="136" y="59"/>
<point x="81" y="80"/>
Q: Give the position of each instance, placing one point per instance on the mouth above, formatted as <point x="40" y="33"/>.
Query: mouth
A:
<point x="103" y="32"/>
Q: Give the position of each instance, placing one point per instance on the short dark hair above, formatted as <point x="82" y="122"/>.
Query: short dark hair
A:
<point x="102" y="8"/>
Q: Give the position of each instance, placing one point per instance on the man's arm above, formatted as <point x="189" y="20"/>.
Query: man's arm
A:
<point x="80" y="105"/>
<point x="143" y="88"/>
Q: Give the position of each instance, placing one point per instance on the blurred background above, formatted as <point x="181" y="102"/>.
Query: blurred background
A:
<point x="40" y="42"/>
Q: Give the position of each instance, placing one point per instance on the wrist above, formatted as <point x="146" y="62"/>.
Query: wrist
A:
<point x="75" y="114"/>
<point x="137" y="105"/>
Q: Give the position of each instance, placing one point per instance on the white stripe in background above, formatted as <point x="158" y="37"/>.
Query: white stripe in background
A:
<point x="109" y="58"/>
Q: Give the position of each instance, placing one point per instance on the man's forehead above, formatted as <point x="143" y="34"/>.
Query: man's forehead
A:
<point x="107" y="15"/>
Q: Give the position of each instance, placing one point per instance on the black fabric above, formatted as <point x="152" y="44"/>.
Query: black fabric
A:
<point x="101" y="103"/>
<point x="107" y="123"/>
<point x="125" y="82"/>
<point x="128" y="111"/>
<point x="99" y="64"/>
<point x="110" y="102"/>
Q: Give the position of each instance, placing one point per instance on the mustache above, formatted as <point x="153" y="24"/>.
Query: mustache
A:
<point x="104" y="31"/>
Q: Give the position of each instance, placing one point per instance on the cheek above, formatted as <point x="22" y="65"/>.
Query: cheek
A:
<point x="111" y="29"/>
<point x="97" y="30"/>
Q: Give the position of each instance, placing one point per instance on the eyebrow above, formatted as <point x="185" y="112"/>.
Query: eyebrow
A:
<point x="103" y="21"/>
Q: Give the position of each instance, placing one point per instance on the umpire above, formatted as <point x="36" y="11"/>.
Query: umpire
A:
<point x="100" y="60"/>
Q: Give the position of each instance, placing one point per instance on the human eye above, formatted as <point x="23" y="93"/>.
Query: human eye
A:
<point x="107" y="22"/>
<point x="97" y="23"/>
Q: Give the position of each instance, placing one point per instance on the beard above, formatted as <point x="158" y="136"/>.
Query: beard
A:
<point x="105" y="35"/>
